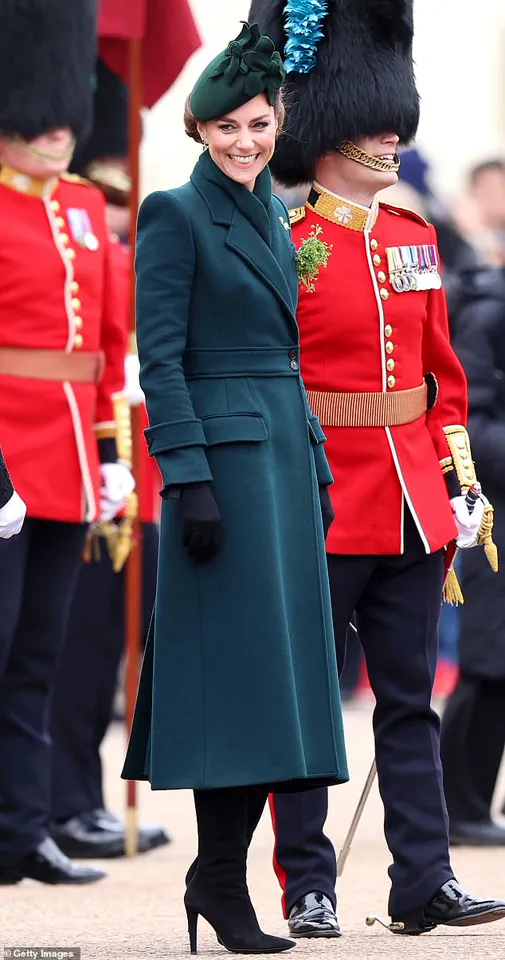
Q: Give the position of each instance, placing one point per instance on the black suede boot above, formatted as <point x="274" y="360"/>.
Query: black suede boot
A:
<point x="256" y="800"/>
<point x="218" y="889"/>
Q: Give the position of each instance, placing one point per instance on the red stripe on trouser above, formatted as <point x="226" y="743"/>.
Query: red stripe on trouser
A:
<point x="280" y="873"/>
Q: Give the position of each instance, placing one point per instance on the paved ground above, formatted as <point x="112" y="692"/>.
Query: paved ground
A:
<point x="136" y="913"/>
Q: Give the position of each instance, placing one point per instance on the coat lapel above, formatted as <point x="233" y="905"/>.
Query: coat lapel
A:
<point x="245" y="241"/>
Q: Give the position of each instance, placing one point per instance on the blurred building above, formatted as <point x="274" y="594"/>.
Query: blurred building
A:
<point x="460" y="61"/>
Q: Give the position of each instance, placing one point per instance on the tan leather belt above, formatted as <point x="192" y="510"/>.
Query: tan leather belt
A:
<point x="368" y="409"/>
<point x="83" y="367"/>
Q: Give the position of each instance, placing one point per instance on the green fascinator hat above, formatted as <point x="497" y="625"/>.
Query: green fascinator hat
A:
<point x="250" y="65"/>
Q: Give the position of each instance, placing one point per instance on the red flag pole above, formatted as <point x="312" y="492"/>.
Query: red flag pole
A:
<point x="133" y="599"/>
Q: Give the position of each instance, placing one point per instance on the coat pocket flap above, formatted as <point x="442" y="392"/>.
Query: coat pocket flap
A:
<point x="234" y="428"/>
<point x="317" y="434"/>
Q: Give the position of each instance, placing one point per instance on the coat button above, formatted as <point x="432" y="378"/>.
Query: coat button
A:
<point x="70" y="253"/>
<point x="294" y="365"/>
<point x="388" y="330"/>
<point x="78" y="341"/>
<point x="381" y="276"/>
<point x="374" y="244"/>
<point x="76" y="303"/>
<point x="74" y="286"/>
<point x="384" y="293"/>
<point x="293" y="354"/>
<point x="55" y="206"/>
<point x="78" y="322"/>
<point x="390" y="365"/>
<point x="377" y="260"/>
<point x="60" y="222"/>
<point x="390" y="346"/>
<point x="391" y="382"/>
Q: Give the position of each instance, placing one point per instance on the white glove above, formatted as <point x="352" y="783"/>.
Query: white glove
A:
<point x="468" y="524"/>
<point x="133" y="389"/>
<point x="12" y="516"/>
<point x="117" y="484"/>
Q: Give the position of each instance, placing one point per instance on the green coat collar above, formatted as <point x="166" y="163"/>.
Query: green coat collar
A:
<point x="254" y="230"/>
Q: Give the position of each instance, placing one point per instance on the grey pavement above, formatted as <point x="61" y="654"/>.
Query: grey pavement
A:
<point x="137" y="913"/>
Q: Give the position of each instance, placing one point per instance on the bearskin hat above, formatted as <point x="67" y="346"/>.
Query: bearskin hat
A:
<point x="350" y="75"/>
<point x="47" y="58"/>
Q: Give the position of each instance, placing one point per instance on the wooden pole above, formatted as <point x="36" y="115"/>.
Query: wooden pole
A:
<point x="133" y="599"/>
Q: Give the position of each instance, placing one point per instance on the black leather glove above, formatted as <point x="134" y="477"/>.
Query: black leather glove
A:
<point x="326" y="509"/>
<point x="201" y="521"/>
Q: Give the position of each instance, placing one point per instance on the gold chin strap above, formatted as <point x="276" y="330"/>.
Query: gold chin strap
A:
<point x="352" y="152"/>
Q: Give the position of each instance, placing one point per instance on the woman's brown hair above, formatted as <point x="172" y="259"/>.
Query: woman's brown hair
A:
<point x="191" y="123"/>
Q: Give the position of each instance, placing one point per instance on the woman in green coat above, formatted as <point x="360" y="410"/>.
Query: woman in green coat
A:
<point x="239" y="689"/>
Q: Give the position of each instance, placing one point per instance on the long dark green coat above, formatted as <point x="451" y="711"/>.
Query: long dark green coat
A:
<point x="239" y="682"/>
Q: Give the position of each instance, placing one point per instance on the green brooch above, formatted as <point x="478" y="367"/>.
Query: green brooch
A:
<point x="313" y="253"/>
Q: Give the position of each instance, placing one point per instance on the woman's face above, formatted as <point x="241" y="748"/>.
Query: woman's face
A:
<point x="47" y="156"/>
<point x="242" y="143"/>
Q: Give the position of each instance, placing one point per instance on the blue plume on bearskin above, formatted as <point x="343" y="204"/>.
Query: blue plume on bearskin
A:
<point x="304" y="30"/>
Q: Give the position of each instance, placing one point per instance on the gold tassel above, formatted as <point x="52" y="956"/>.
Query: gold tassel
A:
<point x="124" y="541"/>
<point x="452" y="590"/>
<point x="486" y="538"/>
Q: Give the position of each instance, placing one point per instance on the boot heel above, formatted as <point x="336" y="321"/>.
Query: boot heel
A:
<point x="192" y="916"/>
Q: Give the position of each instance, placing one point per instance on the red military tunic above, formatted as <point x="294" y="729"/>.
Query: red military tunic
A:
<point x="58" y="292"/>
<point x="358" y="334"/>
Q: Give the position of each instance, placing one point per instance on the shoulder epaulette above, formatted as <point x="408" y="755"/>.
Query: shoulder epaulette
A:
<point x="297" y="214"/>
<point x="405" y="212"/>
<point x="75" y="178"/>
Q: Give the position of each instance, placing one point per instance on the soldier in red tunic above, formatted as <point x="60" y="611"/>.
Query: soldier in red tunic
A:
<point x="391" y="395"/>
<point x="62" y="350"/>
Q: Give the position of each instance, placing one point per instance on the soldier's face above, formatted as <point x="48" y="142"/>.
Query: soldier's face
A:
<point x="46" y="156"/>
<point x="242" y="143"/>
<point x="383" y="147"/>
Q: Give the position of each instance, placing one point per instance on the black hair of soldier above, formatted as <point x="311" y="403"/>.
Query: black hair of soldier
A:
<point x="363" y="83"/>
<point x="47" y="57"/>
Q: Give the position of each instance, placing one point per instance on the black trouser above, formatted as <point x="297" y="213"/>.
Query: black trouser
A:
<point x="397" y="602"/>
<point x="38" y="570"/>
<point x="87" y="675"/>
<point x="473" y="741"/>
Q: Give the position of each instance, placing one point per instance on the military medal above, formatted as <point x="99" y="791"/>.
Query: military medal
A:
<point x="82" y="231"/>
<point x="414" y="268"/>
<point x="396" y="272"/>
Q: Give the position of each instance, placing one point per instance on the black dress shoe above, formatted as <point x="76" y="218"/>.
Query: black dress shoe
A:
<point x="453" y="907"/>
<point x="480" y="833"/>
<point x="150" y="836"/>
<point x="48" y="864"/>
<point x="313" y="916"/>
<point x="98" y="834"/>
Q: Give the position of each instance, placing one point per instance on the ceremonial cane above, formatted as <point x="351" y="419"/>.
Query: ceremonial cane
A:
<point x="351" y="833"/>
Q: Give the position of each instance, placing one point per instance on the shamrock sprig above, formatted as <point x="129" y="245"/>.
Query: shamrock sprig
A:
<point x="313" y="254"/>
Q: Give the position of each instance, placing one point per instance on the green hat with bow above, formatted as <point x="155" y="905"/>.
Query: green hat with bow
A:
<point x="250" y="65"/>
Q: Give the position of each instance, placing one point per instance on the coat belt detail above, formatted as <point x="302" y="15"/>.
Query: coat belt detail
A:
<point x="368" y="409"/>
<point x="84" y="367"/>
<point x="241" y="362"/>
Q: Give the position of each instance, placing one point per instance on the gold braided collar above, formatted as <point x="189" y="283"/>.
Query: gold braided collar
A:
<point x="339" y="210"/>
<point x="30" y="186"/>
